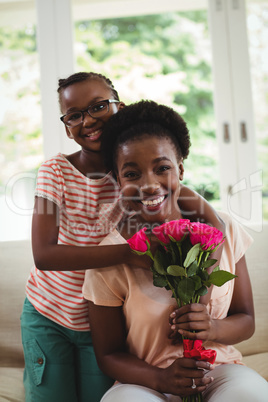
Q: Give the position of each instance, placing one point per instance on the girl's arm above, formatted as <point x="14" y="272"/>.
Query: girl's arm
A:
<point x="109" y="339"/>
<point x="50" y="256"/>
<point x="238" y="326"/>
<point x="194" y="207"/>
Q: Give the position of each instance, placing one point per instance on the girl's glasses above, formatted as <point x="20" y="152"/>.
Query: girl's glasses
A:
<point x="96" y="111"/>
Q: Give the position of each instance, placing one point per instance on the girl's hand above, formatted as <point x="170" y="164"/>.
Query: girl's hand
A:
<point x="193" y="322"/>
<point x="177" y="379"/>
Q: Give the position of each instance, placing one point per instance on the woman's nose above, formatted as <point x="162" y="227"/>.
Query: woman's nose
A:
<point x="150" y="187"/>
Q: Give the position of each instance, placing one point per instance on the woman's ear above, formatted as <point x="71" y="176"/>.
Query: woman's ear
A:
<point x="181" y="170"/>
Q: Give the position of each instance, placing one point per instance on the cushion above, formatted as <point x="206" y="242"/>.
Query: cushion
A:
<point x="257" y="257"/>
<point x="259" y="363"/>
<point x="15" y="262"/>
<point x="11" y="384"/>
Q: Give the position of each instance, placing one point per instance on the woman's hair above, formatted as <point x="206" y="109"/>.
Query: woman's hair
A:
<point x="83" y="76"/>
<point x="139" y="119"/>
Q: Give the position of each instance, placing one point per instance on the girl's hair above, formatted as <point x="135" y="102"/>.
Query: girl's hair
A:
<point x="83" y="76"/>
<point x="139" y="119"/>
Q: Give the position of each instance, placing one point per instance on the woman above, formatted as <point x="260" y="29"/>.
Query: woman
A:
<point x="128" y="315"/>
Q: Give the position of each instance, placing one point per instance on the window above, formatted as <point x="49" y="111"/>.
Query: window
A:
<point x="167" y="56"/>
<point x="257" y="26"/>
<point x="20" y="130"/>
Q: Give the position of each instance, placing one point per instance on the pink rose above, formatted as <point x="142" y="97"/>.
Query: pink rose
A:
<point x="209" y="237"/>
<point x="139" y="241"/>
<point x="176" y="229"/>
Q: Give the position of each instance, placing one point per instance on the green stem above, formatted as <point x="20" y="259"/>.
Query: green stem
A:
<point x="173" y="291"/>
<point x="180" y="253"/>
<point x="148" y="252"/>
<point x="207" y="255"/>
<point x="199" y="259"/>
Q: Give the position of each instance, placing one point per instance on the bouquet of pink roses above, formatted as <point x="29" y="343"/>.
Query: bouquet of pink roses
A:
<point x="180" y="264"/>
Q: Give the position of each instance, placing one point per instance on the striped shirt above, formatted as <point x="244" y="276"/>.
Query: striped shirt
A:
<point x="88" y="212"/>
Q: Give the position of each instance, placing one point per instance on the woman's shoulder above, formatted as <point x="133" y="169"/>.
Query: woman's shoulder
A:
<point x="233" y="226"/>
<point x="237" y="239"/>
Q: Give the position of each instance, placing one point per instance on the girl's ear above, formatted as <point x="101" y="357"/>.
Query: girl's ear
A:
<point x="68" y="132"/>
<point x="121" y="105"/>
<point x="181" y="170"/>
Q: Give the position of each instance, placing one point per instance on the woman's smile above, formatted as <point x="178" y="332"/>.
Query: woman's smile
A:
<point x="153" y="202"/>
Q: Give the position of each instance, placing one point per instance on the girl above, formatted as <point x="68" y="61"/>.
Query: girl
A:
<point x="75" y="208"/>
<point x="147" y="159"/>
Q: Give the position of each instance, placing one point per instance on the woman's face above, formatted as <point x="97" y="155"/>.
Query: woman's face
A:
<point x="149" y="175"/>
<point x="79" y="96"/>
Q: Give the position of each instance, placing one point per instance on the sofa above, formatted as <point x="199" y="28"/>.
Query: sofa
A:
<point x="16" y="261"/>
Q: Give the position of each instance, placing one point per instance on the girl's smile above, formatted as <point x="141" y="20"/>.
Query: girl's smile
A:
<point x="149" y="175"/>
<point x="93" y="135"/>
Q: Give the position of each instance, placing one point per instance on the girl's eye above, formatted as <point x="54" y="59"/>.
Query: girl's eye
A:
<point x="98" y="107"/>
<point x="74" y="116"/>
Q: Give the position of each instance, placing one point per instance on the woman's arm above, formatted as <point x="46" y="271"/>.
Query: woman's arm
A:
<point x="239" y="325"/>
<point x="109" y="339"/>
<point x="48" y="255"/>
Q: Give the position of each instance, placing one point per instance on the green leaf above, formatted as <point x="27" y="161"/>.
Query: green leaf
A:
<point x="185" y="289"/>
<point x="160" y="281"/>
<point x="176" y="270"/>
<point x="191" y="255"/>
<point x="160" y="262"/>
<point x="193" y="268"/>
<point x="202" y="291"/>
<point x="219" y="278"/>
<point x="139" y="252"/>
<point x="209" y="263"/>
<point x="204" y="275"/>
<point x="217" y="268"/>
<point x="172" y="238"/>
<point x="173" y="250"/>
<point x="197" y="281"/>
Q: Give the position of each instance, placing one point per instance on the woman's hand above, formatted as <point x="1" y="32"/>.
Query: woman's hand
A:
<point x="193" y="322"/>
<point x="177" y="379"/>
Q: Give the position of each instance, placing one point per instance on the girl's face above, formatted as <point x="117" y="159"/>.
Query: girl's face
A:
<point x="149" y="175"/>
<point x="79" y="96"/>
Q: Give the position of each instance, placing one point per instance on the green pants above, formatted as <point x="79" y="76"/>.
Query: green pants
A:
<point x="60" y="364"/>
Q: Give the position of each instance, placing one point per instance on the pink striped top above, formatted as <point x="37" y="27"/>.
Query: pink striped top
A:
<point x="88" y="212"/>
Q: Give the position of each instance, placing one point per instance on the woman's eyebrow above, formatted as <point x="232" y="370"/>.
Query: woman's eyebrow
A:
<point x="161" y="158"/>
<point x="129" y="164"/>
<point x="156" y="160"/>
